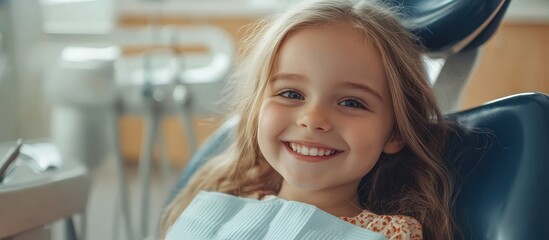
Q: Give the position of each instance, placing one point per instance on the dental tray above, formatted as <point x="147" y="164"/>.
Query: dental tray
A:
<point x="40" y="188"/>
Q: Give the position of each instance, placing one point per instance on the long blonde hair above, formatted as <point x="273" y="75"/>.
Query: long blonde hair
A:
<point x="413" y="182"/>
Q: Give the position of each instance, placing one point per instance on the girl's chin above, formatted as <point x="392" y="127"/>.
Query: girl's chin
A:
<point x="302" y="184"/>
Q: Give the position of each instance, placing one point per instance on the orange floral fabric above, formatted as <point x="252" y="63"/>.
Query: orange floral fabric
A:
<point x="393" y="227"/>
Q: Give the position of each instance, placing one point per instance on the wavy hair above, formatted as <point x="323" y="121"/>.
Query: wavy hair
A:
<point x="412" y="182"/>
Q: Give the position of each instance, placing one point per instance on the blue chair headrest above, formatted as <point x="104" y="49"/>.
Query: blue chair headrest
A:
<point x="452" y="25"/>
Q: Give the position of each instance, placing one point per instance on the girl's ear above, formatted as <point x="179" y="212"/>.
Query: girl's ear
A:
<point x="394" y="144"/>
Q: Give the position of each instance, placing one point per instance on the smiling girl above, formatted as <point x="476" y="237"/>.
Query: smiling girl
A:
<point x="336" y="112"/>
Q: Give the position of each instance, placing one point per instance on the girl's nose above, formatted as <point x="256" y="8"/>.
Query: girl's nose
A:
<point x="315" y="120"/>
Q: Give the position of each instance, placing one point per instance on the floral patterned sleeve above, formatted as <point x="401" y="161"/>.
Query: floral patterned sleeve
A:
<point x="393" y="227"/>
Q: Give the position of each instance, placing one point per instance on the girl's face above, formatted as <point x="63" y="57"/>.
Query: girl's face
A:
<point x="327" y="114"/>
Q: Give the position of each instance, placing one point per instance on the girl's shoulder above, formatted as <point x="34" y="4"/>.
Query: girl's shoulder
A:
<point x="391" y="226"/>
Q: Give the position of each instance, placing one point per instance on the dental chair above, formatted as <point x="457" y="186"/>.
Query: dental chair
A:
<point x="500" y="159"/>
<point x="499" y="152"/>
<point x="501" y="168"/>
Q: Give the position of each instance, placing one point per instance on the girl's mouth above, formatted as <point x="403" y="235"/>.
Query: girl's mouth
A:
<point x="310" y="153"/>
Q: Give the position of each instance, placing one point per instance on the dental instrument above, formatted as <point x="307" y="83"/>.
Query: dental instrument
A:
<point x="9" y="159"/>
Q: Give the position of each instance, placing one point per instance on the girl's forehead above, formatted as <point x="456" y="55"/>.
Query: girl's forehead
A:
<point x="342" y="26"/>
<point x="336" y="49"/>
<point x="338" y="33"/>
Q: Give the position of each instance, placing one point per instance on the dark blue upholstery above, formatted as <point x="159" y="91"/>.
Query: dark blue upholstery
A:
<point x="500" y="156"/>
<point x="503" y="173"/>
<point x="441" y="25"/>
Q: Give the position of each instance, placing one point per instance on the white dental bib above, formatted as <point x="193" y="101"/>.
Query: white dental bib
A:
<point x="213" y="215"/>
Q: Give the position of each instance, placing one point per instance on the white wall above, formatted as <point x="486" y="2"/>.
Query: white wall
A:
<point x="528" y="11"/>
<point x="8" y="85"/>
<point x="32" y="110"/>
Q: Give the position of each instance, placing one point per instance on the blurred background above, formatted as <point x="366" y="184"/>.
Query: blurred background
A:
<point x="122" y="81"/>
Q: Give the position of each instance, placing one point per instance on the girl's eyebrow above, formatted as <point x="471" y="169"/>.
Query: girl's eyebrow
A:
<point x="287" y="76"/>
<point x="363" y="88"/>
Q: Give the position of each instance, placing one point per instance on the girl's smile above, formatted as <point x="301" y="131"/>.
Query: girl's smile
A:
<point x="311" y="152"/>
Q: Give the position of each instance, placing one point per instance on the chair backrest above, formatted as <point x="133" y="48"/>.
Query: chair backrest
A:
<point x="500" y="156"/>
<point x="502" y="168"/>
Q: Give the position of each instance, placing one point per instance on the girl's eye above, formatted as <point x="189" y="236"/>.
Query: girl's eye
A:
<point x="352" y="103"/>
<point x="291" y="95"/>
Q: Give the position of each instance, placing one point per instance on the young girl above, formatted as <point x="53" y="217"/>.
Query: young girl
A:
<point x="335" y="111"/>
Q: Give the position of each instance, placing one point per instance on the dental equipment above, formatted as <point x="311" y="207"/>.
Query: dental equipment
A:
<point x="39" y="157"/>
<point x="94" y="84"/>
<point x="9" y="159"/>
<point x="152" y="123"/>
<point x="86" y="110"/>
<point x="31" y="200"/>
<point x="189" y="88"/>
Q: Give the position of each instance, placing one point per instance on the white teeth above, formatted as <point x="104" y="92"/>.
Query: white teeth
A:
<point x="321" y="152"/>
<point x="304" y="150"/>
<point x="311" y="151"/>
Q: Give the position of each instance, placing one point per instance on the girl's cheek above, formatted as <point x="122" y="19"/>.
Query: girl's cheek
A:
<point x="273" y="117"/>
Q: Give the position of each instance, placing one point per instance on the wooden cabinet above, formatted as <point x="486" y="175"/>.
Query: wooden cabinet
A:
<point x="173" y="135"/>
<point x="515" y="60"/>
